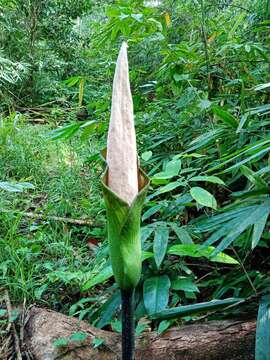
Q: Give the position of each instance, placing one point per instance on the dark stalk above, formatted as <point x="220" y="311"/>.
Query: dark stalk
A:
<point x="128" y="336"/>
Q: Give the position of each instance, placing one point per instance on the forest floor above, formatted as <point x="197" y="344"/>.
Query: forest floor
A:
<point x="52" y="234"/>
<point x="49" y="234"/>
<point x="45" y="234"/>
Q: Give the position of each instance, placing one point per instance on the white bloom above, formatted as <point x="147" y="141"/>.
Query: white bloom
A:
<point x="121" y="143"/>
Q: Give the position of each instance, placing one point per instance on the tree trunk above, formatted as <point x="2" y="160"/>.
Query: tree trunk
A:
<point x="214" y="340"/>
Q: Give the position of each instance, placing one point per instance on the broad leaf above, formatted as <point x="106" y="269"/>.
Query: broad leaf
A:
<point x="146" y="232"/>
<point x="156" y="293"/>
<point x="102" y="276"/>
<point x="181" y="233"/>
<point x="160" y="244"/>
<point x="172" y="169"/>
<point x="146" y="155"/>
<point x="203" y="197"/>
<point x="184" y="284"/>
<point x="108" y="309"/>
<point x="153" y="210"/>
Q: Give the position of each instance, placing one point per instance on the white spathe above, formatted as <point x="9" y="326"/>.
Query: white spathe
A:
<point x="121" y="142"/>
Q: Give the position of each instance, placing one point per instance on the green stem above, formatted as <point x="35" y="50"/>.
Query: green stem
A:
<point x="128" y="337"/>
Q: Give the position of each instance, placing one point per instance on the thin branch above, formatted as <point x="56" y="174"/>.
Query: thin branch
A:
<point x="38" y="216"/>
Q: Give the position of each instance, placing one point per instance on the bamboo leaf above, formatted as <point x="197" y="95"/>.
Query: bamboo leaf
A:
<point x="258" y="230"/>
<point x="195" y="250"/>
<point x="233" y="234"/>
<point x="181" y="233"/>
<point x="190" y="310"/>
<point x="211" y="179"/>
<point x="225" y="116"/>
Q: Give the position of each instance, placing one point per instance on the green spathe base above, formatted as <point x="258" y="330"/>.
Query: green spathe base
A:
<point x="124" y="232"/>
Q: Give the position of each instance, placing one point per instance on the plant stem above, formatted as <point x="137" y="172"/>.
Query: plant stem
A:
<point x="128" y="337"/>
<point x="205" y="44"/>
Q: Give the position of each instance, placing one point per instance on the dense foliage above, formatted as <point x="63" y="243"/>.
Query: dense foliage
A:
<point x="200" y="81"/>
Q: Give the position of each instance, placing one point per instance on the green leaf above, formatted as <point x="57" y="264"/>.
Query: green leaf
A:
<point x="204" y="104"/>
<point x="15" y="187"/>
<point x="261" y="86"/>
<point x="146" y="255"/>
<point x="225" y="116"/>
<point x="252" y="218"/>
<point x="65" y="132"/>
<point x="140" y="328"/>
<point x="222" y="258"/>
<point x="242" y="122"/>
<point x="146" y="232"/>
<point x="184" y="284"/>
<point x="61" y="342"/>
<point x="108" y="309"/>
<point x="258" y="230"/>
<point x="116" y="326"/>
<point x="78" y="336"/>
<point x="156" y="293"/>
<point x="3" y="312"/>
<point x="259" y="109"/>
<point x="190" y="310"/>
<point x="203" y="197"/>
<point x="147" y="155"/>
<point x="72" y="81"/>
<point x="97" y="342"/>
<point x="102" y="276"/>
<point x="196" y="250"/>
<point x="160" y="244"/>
<point x="263" y="330"/>
<point x="204" y="139"/>
<point x="14" y="315"/>
<point x="180" y="77"/>
<point x="253" y="177"/>
<point x="181" y="233"/>
<point x="254" y="150"/>
<point x="239" y="19"/>
<point x="153" y="210"/>
<point x="172" y="169"/>
<point x="163" y="326"/>
<point x="211" y="179"/>
<point x="169" y="187"/>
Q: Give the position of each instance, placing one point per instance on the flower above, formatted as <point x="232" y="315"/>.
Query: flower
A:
<point x="121" y="144"/>
<point x="124" y="184"/>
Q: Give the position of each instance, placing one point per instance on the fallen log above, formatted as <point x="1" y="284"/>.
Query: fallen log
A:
<point x="213" y="340"/>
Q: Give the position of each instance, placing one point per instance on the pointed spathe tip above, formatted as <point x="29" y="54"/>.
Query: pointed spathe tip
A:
<point x="123" y="50"/>
<point x="121" y="144"/>
<point x="124" y="45"/>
